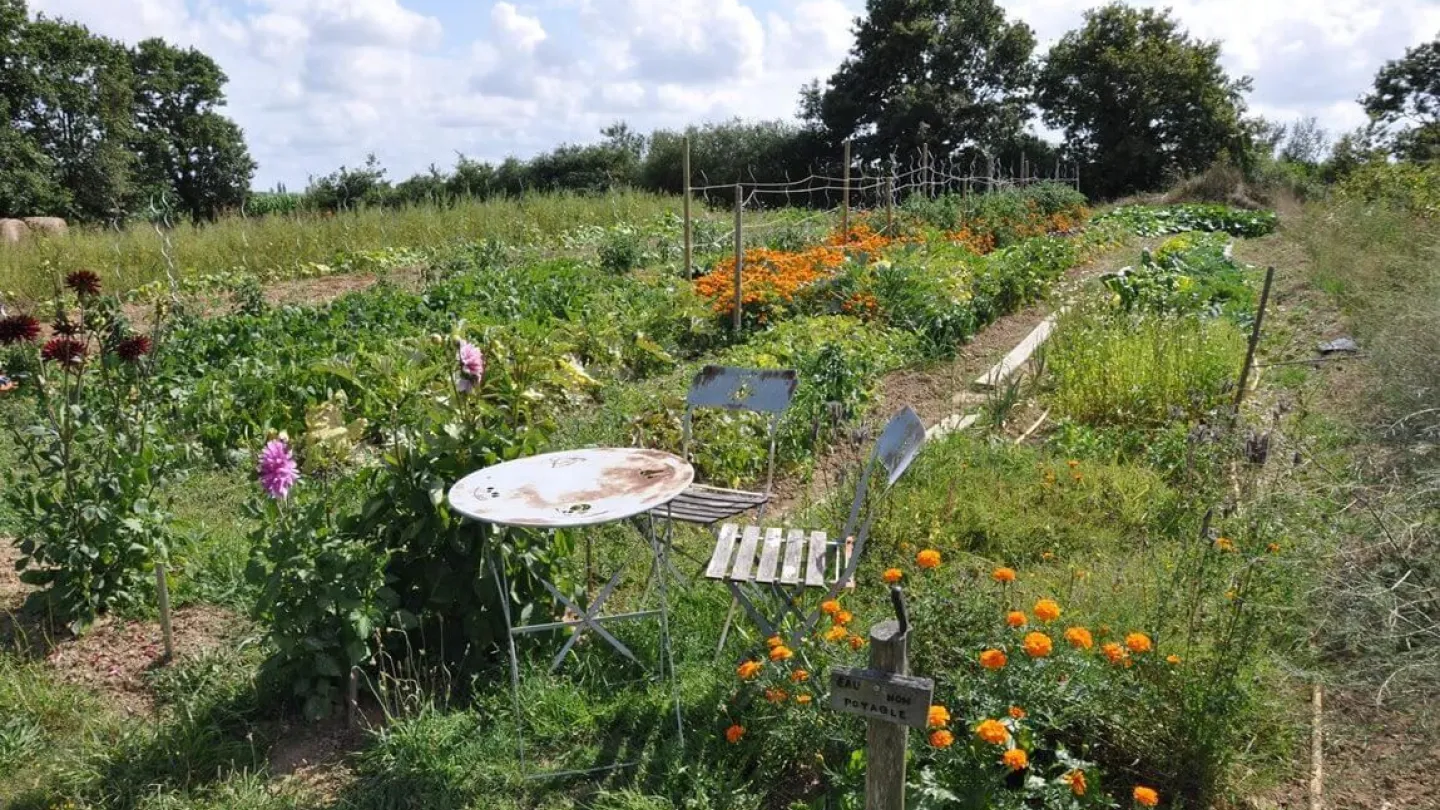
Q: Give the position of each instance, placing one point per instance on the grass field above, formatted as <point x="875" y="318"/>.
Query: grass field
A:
<point x="1215" y="582"/>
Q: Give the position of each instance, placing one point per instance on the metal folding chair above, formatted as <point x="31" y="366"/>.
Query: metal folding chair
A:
<point x="799" y="559"/>
<point x="731" y="389"/>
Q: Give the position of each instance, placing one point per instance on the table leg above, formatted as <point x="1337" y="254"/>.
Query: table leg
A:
<point x="588" y="617"/>
<point x="502" y="585"/>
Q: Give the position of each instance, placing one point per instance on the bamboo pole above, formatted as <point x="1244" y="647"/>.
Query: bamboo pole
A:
<point x="739" y="254"/>
<point x="689" y="244"/>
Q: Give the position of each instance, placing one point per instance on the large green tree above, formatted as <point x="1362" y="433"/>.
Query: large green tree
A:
<point x="95" y="131"/>
<point x="1140" y="101"/>
<point x="1404" y="107"/>
<point x="187" y="147"/>
<point x="947" y="74"/>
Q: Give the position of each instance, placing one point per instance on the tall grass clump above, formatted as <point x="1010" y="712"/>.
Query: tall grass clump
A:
<point x="1141" y="371"/>
<point x="285" y="245"/>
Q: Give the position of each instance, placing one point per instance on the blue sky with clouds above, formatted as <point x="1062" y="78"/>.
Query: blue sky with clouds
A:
<point x="320" y="83"/>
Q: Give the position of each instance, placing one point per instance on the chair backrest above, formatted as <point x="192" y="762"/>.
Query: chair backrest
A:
<point x="762" y="391"/>
<point x="897" y="447"/>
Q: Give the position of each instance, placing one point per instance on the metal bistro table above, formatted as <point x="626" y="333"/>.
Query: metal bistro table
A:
<point x="577" y="489"/>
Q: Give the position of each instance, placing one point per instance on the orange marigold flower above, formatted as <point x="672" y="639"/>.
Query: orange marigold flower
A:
<point x="1139" y="643"/>
<point x="856" y="642"/>
<point x="836" y="634"/>
<point x="734" y="733"/>
<point x="781" y="653"/>
<point x="1003" y="575"/>
<point x="927" y="559"/>
<point x="993" y="659"/>
<point x="1047" y="555"/>
<point x="830" y="607"/>
<point x="1015" y="759"/>
<point x="892" y="575"/>
<point x="1079" y="638"/>
<point x="1076" y="781"/>
<point x="1224" y="544"/>
<point x="992" y="731"/>
<point x="1172" y="659"/>
<point x="1273" y="548"/>
<point x="799" y="676"/>
<point x="1038" y="645"/>
<point x="938" y="717"/>
<point x="844" y="617"/>
<point x="803" y="700"/>
<point x="1015" y="618"/>
<point x="1231" y="594"/>
<point x="1072" y="463"/>
<point x="748" y="670"/>
<point x="1047" y="610"/>
<point x="1146" y="796"/>
<point x="940" y="738"/>
<point x="1017" y="712"/>
<point x="776" y="695"/>
<point x="1114" y="653"/>
<point x="774" y="641"/>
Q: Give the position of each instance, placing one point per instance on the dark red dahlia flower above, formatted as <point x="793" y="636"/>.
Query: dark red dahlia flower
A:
<point x="17" y="328"/>
<point x="66" y="351"/>
<point x="85" y="283"/>
<point x="132" y="348"/>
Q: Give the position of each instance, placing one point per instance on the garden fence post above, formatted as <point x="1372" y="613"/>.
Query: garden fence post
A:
<point x="925" y="168"/>
<point x="689" y="245"/>
<point x="162" y="590"/>
<point x="1254" y="341"/>
<point x="845" y="198"/>
<point x="739" y="254"/>
<point x="885" y="741"/>
<point x="890" y="205"/>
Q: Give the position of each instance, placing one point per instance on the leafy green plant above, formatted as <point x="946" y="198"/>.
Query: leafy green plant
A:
<point x="89" y="491"/>
<point x="1189" y="273"/>
<point x="1145" y="220"/>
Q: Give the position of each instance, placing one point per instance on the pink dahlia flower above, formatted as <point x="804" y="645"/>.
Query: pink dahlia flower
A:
<point x="278" y="471"/>
<point x="472" y="366"/>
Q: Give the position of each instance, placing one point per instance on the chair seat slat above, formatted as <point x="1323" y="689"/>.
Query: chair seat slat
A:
<point x="794" y="551"/>
<point x="724" y="545"/>
<point x="815" y="570"/>
<point x="770" y="555"/>
<point x="745" y="558"/>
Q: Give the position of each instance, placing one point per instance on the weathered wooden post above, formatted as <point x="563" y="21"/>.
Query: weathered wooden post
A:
<point x="162" y="590"/>
<point x="739" y="254"/>
<point x="891" y="700"/>
<point x="845" y="198"/>
<point x="689" y="245"/>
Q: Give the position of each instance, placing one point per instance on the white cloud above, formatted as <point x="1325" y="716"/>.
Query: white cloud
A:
<point x="317" y="83"/>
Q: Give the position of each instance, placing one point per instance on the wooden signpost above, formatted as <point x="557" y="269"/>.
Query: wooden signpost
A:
<point x="892" y="700"/>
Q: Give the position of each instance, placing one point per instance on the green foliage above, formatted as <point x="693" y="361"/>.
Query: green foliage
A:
<point x="1001" y="217"/>
<point x="1410" y="187"/>
<point x="89" y="491"/>
<point x="1190" y="273"/>
<point x="1404" y="107"/>
<point x="950" y="73"/>
<point x="1140" y="101"/>
<point x="1141" y="371"/>
<point x="1148" y="220"/>
<point x="105" y="132"/>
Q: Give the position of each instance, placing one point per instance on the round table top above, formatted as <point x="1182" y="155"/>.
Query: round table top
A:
<point x="572" y="488"/>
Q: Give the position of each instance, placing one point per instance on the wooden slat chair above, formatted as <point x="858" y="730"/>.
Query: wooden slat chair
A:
<point x="799" y="559"/>
<point x="731" y="389"/>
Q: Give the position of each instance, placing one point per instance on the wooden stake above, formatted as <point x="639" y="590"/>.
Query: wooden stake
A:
<point x="352" y="699"/>
<point x="1317" y="751"/>
<point x="689" y="246"/>
<point x="925" y="168"/>
<point x="890" y="205"/>
<point x="162" y="589"/>
<point x="739" y="254"/>
<point x="845" y="199"/>
<point x="885" y="741"/>
<point x="1254" y="340"/>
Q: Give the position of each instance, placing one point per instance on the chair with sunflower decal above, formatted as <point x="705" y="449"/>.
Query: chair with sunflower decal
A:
<point x="786" y="562"/>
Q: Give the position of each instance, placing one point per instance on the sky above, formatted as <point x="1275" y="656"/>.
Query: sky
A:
<point x="317" y="84"/>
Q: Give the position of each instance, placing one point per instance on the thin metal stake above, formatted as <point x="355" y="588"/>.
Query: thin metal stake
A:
<point x="1254" y="340"/>
<point x="739" y="254"/>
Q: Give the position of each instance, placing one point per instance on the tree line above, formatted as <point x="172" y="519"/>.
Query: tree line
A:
<point x="102" y="132"/>
<point x="97" y="131"/>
